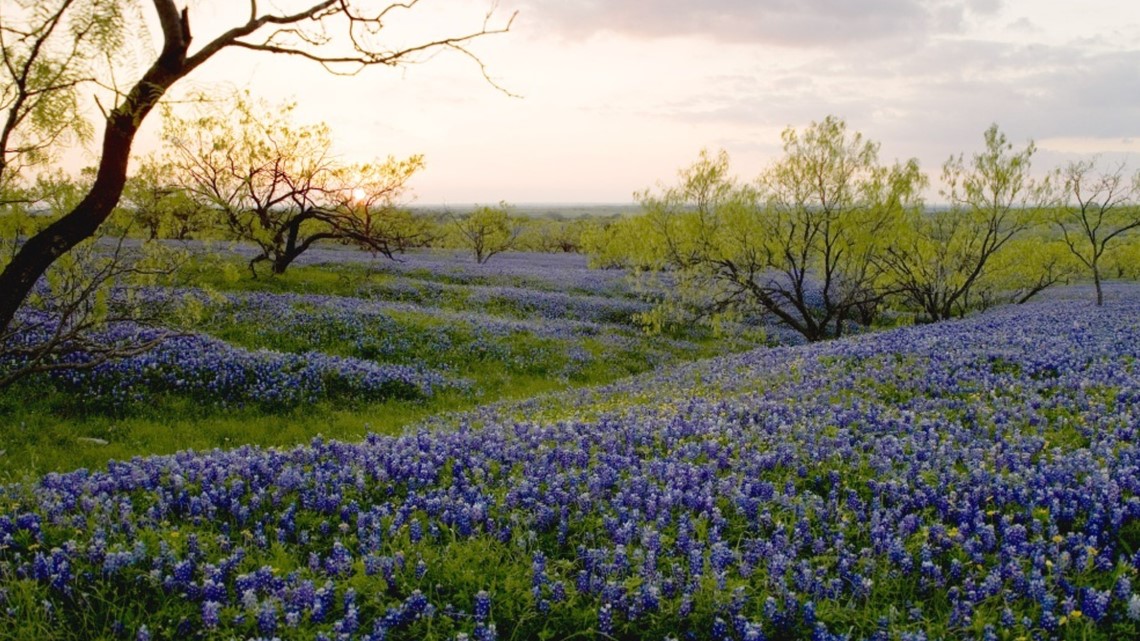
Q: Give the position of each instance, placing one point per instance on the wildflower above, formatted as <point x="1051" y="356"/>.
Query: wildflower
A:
<point x="267" y="618"/>
<point x="482" y="606"/>
<point x="606" y="619"/>
<point x="1134" y="607"/>
<point x="210" y="614"/>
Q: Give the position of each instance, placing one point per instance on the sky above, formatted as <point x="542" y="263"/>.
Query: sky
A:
<point x="605" y="98"/>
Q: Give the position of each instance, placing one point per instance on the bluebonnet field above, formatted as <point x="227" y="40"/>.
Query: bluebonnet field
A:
<point x="407" y="331"/>
<point x="211" y="371"/>
<point x="537" y="271"/>
<point x="975" y="479"/>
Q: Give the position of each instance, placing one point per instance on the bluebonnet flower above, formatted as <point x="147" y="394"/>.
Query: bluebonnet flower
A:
<point x="211" y="611"/>
<point x="482" y="606"/>
<point x="606" y="619"/>
<point x="267" y="618"/>
<point x="719" y="629"/>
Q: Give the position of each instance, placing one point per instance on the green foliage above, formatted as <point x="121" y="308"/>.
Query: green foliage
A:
<point x="1030" y="263"/>
<point x="278" y="185"/>
<point x="1096" y="213"/>
<point x="486" y="231"/>
<point x="828" y="236"/>
<point x="798" y="245"/>
<point x="611" y="245"/>
<point x="153" y="201"/>
<point x="937" y="259"/>
<point x="52" y="52"/>
<point x="1124" y="260"/>
<point x="75" y="292"/>
<point x="996" y="182"/>
<point x="406" y="230"/>
<point x="553" y="235"/>
<point x="58" y="192"/>
<point x="15" y="224"/>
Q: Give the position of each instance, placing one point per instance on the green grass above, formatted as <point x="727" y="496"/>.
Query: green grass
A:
<point x="44" y="429"/>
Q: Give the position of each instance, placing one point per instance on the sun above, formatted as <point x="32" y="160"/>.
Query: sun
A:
<point x="358" y="195"/>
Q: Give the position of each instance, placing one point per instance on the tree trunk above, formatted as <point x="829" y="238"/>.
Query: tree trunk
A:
<point x="41" y="250"/>
<point x="282" y="262"/>
<point x="1099" y="288"/>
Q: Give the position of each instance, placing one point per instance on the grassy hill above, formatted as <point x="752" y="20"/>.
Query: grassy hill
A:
<point x="973" y="479"/>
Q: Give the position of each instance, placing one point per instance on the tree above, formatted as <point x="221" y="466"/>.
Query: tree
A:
<point x="52" y="50"/>
<point x="553" y="234"/>
<point x="1124" y="260"/>
<point x="607" y="243"/>
<point x="406" y="230"/>
<point x="95" y="303"/>
<point x="487" y="231"/>
<point x="48" y="52"/>
<point x="1095" y="211"/>
<point x="798" y="245"/>
<point x="938" y="257"/>
<point x="153" y="199"/>
<point x="829" y="204"/>
<point x="1028" y="265"/>
<point x="278" y="185"/>
<point x="674" y="244"/>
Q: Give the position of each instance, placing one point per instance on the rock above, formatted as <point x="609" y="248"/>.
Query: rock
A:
<point x="91" y="440"/>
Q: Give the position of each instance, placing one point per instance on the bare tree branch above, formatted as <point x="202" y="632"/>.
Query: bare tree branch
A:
<point x="174" y="62"/>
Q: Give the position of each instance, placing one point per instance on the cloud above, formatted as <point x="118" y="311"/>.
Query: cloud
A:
<point x="796" y="23"/>
<point x="929" y="102"/>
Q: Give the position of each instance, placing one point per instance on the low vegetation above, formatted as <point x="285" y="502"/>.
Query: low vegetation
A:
<point x="808" y="405"/>
<point x="965" y="479"/>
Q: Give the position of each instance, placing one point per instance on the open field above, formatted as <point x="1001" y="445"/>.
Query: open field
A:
<point x="473" y="353"/>
<point x="503" y="454"/>
<point x="342" y="346"/>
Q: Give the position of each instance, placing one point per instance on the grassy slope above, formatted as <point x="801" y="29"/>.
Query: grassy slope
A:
<point x="44" y="430"/>
<point x="1012" y="401"/>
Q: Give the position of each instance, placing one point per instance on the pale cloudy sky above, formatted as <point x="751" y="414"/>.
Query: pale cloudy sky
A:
<point x="617" y="95"/>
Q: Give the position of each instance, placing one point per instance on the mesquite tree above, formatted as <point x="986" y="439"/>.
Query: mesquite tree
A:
<point x="937" y="259"/>
<point x="278" y="185"/>
<point x="487" y="231"/>
<point x="797" y="245"/>
<point x="1094" y="212"/>
<point x="51" y="51"/>
<point x="163" y="209"/>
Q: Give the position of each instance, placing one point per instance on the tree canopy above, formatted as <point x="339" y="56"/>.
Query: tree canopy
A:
<point x="1095" y="209"/>
<point x="278" y="184"/>
<point x="797" y="244"/>
<point x="51" y="51"/>
<point x="937" y="259"/>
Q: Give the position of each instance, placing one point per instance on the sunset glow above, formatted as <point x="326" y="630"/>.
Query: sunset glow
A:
<point x="609" y="98"/>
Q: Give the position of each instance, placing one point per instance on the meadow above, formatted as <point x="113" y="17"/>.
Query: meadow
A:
<point x="434" y="449"/>
<point x="342" y="346"/>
